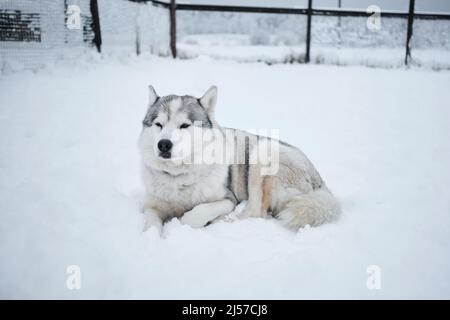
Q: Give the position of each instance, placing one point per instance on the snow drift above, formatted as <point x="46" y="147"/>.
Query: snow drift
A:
<point x="70" y="190"/>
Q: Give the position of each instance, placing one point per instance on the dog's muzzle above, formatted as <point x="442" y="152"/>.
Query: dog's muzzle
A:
<point x="164" y="147"/>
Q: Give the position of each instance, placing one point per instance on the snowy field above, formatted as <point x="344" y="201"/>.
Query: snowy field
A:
<point x="70" y="190"/>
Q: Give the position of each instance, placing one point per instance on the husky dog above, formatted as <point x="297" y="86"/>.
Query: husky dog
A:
<point x="199" y="193"/>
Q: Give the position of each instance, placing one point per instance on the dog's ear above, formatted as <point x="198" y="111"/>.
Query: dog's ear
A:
<point x="152" y="95"/>
<point x="208" y="101"/>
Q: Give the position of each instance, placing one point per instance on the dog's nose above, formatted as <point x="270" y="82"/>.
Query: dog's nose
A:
<point x="165" y="145"/>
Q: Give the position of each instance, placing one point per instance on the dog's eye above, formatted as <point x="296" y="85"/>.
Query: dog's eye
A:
<point x="158" y="124"/>
<point x="185" y="125"/>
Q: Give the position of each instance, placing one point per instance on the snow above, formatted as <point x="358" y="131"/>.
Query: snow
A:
<point x="236" y="48"/>
<point x="70" y="189"/>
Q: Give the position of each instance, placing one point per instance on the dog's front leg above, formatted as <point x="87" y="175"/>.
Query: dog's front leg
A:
<point x="203" y="213"/>
<point x="152" y="219"/>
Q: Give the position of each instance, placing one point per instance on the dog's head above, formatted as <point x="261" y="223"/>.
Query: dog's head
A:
<point x="166" y="141"/>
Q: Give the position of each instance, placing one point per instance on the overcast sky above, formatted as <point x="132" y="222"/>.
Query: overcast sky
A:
<point x="421" y="5"/>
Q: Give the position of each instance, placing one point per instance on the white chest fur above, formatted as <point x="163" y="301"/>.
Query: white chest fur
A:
<point x="173" y="195"/>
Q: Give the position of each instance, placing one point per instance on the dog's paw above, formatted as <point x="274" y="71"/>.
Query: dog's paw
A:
<point x="194" y="218"/>
<point x="249" y="213"/>
<point x="157" y="227"/>
<point x="153" y="233"/>
<point x="152" y="221"/>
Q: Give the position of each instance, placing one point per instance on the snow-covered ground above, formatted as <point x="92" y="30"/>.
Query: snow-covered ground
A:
<point x="70" y="189"/>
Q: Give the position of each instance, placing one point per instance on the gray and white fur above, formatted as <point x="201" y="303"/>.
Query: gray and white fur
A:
<point x="199" y="194"/>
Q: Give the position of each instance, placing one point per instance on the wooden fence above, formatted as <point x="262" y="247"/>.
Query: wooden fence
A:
<point x="411" y="15"/>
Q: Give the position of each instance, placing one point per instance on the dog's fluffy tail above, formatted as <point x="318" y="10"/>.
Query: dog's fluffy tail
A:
<point x="314" y="208"/>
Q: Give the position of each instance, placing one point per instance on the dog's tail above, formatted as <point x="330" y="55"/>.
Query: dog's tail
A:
<point x="313" y="208"/>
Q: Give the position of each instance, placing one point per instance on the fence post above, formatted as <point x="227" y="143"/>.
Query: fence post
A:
<point x="96" y="25"/>
<point x="409" y="31"/>
<point x="339" y="25"/>
<point x="173" y="28"/>
<point x="137" y="29"/>
<point x="308" y="32"/>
